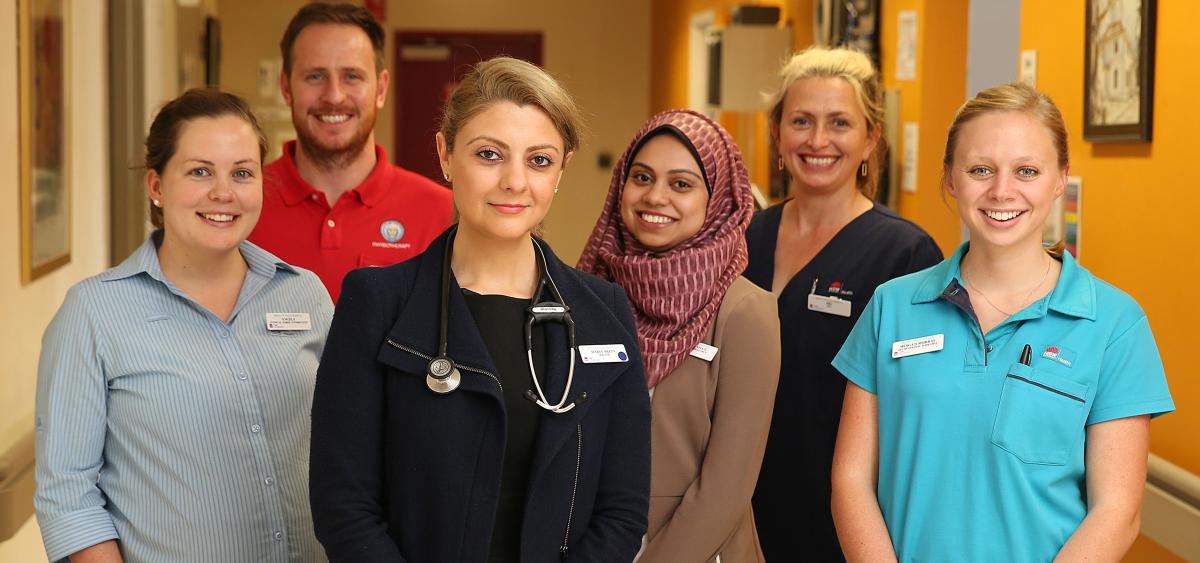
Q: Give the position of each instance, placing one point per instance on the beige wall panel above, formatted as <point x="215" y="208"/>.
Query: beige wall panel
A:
<point x="26" y="310"/>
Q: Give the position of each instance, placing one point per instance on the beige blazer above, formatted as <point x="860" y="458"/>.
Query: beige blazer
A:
<point x="708" y="434"/>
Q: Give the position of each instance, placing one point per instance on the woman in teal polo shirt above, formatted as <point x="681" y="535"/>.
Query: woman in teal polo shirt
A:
<point x="982" y="387"/>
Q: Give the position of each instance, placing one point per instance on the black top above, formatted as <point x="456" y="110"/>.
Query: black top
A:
<point x="501" y="321"/>
<point x="791" y="501"/>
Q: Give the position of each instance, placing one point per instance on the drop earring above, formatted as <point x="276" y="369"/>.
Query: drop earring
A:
<point x="862" y="170"/>
<point x="780" y="163"/>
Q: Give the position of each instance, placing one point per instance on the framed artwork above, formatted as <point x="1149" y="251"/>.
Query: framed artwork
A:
<point x="45" y="190"/>
<point x="1118" y="88"/>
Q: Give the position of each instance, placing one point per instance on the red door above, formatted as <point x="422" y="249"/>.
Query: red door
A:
<point x="428" y="66"/>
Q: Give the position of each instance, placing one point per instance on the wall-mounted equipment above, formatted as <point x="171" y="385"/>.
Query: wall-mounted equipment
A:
<point x="743" y="64"/>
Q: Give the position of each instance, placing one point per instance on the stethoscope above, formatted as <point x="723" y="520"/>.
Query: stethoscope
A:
<point x="442" y="375"/>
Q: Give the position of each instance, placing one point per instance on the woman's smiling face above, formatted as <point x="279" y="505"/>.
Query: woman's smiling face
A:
<point x="823" y="135"/>
<point x="1005" y="177"/>
<point x="664" y="199"/>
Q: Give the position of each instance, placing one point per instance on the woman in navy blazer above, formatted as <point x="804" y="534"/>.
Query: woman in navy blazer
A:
<point x="402" y="473"/>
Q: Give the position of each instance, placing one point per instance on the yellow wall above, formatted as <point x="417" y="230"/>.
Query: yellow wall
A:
<point x="26" y="310"/>
<point x="598" y="49"/>
<point x="930" y="100"/>
<point x="1138" y="227"/>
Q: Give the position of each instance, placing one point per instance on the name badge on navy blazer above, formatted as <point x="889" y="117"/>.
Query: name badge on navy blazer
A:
<point x="603" y="353"/>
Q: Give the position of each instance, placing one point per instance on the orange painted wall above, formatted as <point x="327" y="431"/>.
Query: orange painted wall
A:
<point x="930" y="100"/>
<point x="1138" y="226"/>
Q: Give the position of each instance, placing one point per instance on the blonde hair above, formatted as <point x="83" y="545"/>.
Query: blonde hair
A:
<point x="1015" y="97"/>
<point x="507" y="79"/>
<point x="857" y="70"/>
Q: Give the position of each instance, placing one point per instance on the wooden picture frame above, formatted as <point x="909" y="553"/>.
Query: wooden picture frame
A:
<point x="43" y="47"/>
<point x="1118" y="83"/>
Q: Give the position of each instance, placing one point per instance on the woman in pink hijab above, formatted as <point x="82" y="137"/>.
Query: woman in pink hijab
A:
<point x="672" y="234"/>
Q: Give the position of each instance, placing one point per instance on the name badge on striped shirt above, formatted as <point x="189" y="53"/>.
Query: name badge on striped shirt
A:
<point x="288" y="321"/>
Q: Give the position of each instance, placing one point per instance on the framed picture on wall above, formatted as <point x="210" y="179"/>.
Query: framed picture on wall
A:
<point x="45" y="191"/>
<point x="1118" y="89"/>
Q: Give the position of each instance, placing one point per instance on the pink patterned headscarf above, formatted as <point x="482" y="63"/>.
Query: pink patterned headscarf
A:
<point x="676" y="293"/>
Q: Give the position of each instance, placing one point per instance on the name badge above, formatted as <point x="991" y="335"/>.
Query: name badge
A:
<point x="288" y="321"/>
<point x="603" y="353"/>
<point x="704" y="352"/>
<point x="828" y="305"/>
<point x="932" y="343"/>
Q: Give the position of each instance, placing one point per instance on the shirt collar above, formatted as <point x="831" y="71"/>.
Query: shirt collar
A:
<point x="145" y="260"/>
<point x="369" y="192"/>
<point x="1074" y="295"/>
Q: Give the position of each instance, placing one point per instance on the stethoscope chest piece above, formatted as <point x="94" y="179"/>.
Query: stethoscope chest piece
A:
<point x="442" y="377"/>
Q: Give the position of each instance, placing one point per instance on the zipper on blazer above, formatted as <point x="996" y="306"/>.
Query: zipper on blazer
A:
<point x="1048" y="388"/>
<point x="574" y="488"/>
<point x="420" y="354"/>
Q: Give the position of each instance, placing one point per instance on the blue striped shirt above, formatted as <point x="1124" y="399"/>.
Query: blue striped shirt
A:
<point x="182" y="436"/>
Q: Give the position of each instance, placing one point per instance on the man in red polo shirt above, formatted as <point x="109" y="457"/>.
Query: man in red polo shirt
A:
<point x="333" y="202"/>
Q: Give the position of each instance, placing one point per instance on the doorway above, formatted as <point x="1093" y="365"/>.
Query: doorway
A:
<point x="429" y="65"/>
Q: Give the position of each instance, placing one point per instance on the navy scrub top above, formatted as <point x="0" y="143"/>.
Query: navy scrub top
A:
<point x="791" y="501"/>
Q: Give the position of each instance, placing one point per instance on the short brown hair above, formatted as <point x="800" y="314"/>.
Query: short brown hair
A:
<point x="163" y="138"/>
<point x="504" y="79"/>
<point x="336" y="14"/>
<point x="857" y="70"/>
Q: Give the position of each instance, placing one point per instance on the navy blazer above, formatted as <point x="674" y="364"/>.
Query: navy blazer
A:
<point x="399" y="473"/>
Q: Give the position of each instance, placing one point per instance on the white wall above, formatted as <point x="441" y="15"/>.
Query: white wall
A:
<point x="26" y="310"/>
<point x="599" y="49"/>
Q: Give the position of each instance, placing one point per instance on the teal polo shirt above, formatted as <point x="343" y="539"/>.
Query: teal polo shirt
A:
<point x="981" y="458"/>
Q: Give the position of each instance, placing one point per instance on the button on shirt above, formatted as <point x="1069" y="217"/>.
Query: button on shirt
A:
<point x="182" y="436"/>
<point x="981" y="458"/>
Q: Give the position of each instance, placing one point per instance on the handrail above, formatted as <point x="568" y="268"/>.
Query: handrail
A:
<point x="1173" y="479"/>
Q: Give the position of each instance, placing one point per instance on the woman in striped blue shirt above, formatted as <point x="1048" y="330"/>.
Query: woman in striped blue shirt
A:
<point x="174" y="390"/>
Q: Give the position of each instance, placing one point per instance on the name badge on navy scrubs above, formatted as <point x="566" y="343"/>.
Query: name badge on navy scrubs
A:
<point x="288" y="321"/>
<point x="603" y="353"/>
<point x="828" y="305"/>
<point x="924" y="344"/>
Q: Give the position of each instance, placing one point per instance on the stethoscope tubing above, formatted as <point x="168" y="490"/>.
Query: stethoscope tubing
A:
<point x="442" y="375"/>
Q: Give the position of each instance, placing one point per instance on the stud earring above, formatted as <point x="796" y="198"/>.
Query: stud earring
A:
<point x="555" y="189"/>
<point x="780" y="163"/>
<point x="862" y="170"/>
<point x="446" y="175"/>
<point x="156" y="203"/>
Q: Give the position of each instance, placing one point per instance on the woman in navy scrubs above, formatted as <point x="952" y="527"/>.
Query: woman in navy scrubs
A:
<point x="446" y="428"/>
<point x="822" y="253"/>
<point x="999" y="403"/>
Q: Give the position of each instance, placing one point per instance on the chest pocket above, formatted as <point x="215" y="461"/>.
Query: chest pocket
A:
<point x="1040" y="416"/>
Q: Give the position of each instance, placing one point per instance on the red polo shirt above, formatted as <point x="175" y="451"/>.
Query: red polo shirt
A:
<point x="388" y="218"/>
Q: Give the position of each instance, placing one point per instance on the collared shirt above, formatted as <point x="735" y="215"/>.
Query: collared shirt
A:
<point x="981" y="458"/>
<point x="182" y="436"/>
<point x="388" y="218"/>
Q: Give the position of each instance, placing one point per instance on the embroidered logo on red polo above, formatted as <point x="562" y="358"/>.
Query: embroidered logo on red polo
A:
<point x="1059" y="354"/>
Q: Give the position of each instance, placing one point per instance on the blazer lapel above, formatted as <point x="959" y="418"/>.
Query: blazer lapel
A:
<point x="413" y="339"/>
<point x="594" y="324"/>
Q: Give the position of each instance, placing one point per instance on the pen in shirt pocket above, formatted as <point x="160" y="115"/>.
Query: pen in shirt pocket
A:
<point x="1026" y="355"/>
